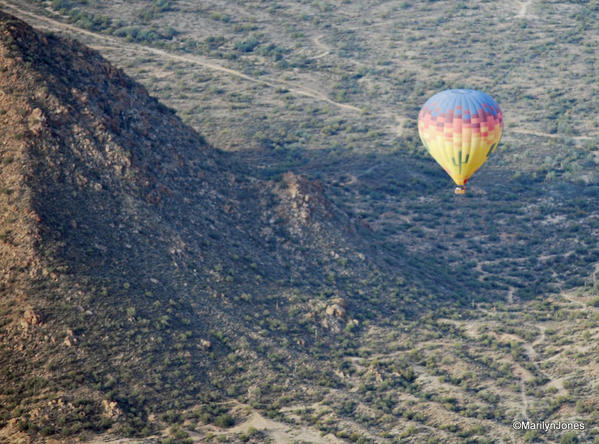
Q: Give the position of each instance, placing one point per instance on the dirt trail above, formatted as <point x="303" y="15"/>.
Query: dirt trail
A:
<point x="541" y="337"/>
<point x="595" y="271"/>
<point x="571" y="298"/>
<point x="523" y="10"/>
<point x="280" y="432"/>
<point x="594" y="275"/>
<point x="552" y="136"/>
<point x="510" y="295"/>
<point x="109" y="42"/>
<point x="533" y="356"/>
<point x="524" y="400"/>
<point x="326" y="50"/>
<point x="400" y="124"/>
<point x="470" y="328"/>
<point x="51" y="24"/>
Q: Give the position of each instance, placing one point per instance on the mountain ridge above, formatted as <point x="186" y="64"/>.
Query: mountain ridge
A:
<point x="153" y="285"/>
<point x="141" y="248"/>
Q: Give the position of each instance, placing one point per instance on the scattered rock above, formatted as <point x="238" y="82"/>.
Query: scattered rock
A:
<point x="36" y="121"/>
<point x="32" y="318"/>
<point x="305" y="200"/>
<point x="111" y="409"/>
<point x="338" y="308"/>
<point x="70" y="339"/>
<point x="335" y="310"/>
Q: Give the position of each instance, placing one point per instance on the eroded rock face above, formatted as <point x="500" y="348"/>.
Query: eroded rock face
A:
<point x="305" y="198"/>
<point x="111" y="409"/>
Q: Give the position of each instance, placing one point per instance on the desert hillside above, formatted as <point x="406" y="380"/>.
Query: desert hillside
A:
<point x="219" y="224"/>
<point x="145" y="272"/>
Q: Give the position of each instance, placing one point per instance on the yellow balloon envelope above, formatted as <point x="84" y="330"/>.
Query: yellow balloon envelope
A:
<point x="460" y="128"/>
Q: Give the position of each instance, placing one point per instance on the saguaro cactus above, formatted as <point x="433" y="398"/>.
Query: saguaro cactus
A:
<point x="460" y="162"/>
<point x="492" y="148"/>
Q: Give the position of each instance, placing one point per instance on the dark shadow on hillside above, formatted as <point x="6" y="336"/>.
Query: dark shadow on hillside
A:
<point x="511" y="234"/>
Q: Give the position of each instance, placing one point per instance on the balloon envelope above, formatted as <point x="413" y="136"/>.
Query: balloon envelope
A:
<point x="460" y="128"/>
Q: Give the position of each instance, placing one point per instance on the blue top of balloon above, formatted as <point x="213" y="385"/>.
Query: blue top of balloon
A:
<point x="460" y="100"/>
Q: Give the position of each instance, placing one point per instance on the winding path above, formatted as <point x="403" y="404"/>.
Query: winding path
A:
<point x="552" y="136"/>
<point x="326" y="50"/>
<point x="524" y="399"/>
<point x="109" y="41"/>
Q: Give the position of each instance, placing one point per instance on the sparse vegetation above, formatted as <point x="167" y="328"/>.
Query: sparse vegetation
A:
<point x="232" y="300"/>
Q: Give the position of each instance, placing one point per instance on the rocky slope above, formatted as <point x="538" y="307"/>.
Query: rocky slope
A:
<point x="143" y="270"/>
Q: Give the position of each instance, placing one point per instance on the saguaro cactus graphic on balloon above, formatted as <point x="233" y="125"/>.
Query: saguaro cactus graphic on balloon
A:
<point x="460" y="129"/>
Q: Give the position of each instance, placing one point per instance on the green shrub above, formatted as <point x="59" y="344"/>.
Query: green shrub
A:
<point x="224" y="421"/>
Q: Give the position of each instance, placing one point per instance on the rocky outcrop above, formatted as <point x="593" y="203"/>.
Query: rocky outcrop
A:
<point x="303" y="201"/>
<point x="136" y="260"/>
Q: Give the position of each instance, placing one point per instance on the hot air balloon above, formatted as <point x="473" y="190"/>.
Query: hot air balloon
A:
<point x="460" y="128"/>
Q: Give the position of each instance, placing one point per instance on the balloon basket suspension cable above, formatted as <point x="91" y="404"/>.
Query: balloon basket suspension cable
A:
<point x="460" y="189"/>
